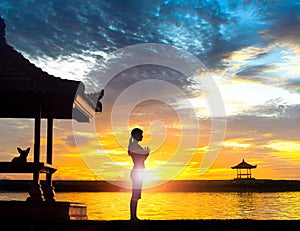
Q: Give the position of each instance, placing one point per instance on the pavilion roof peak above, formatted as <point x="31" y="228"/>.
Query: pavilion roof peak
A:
<point x="2" y="31"/>
<point x="243" y="164"/>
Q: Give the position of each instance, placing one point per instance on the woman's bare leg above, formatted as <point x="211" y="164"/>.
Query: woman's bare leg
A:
<point x="133" y="208"/>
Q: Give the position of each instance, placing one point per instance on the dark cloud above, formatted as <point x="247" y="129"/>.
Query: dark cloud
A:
<point x="259" y="74"/>
<point x="254" y="74"/>
<point x="123" y="80"/>
<point x="209" y="30"/>
<point x="281" y="121"/>
<point x="293" y="85"/>
<point x="285" y="21"/>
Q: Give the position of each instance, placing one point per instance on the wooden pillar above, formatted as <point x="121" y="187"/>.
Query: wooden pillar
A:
<point x="49" y="189"/>
<point x="37" y="142"/>
<point x="49" y="140"/>
<point x="35" y="190"/>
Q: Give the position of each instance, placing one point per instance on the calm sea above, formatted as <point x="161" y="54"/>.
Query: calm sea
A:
<point x="178" y="205"/>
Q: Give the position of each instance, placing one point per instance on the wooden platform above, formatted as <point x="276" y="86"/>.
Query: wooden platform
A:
<point x="29" y="167"/>
<point x="43" y="211"/>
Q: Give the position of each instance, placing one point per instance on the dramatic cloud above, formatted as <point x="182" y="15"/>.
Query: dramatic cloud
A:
<point x="209" y="30"/>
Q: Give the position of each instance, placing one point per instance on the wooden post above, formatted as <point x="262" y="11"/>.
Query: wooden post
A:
<point x="49" y="189"/>
<point x="49" y="140"/>
<point x="37" y="141"/>
<point x="35" y="190"/>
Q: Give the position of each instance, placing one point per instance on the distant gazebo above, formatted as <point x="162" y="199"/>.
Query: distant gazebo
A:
<point x="243" y="170"/>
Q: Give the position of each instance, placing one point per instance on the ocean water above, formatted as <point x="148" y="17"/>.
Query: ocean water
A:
<point x="182" y="205"/>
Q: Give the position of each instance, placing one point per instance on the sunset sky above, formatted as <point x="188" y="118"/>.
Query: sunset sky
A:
<point x="250" y="51"/>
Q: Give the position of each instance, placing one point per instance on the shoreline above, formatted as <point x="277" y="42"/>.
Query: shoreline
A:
<point x="174" y="225"/>
<point x="251" y="185"/>
<point x="21" y="215"/>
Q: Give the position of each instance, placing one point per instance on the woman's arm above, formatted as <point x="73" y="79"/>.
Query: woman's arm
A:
<point x="137" y="149"/>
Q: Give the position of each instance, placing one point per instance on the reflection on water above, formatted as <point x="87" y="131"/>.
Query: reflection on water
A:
<point x="178" y="205"/>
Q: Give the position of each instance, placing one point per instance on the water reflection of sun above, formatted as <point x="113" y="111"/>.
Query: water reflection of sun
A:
<point x="147" y="177"/>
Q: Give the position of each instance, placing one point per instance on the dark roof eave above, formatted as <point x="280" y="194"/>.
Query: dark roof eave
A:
<point x="244" y="167"/>
<point x="82" y="109"/>
<point x="26" y="90"/>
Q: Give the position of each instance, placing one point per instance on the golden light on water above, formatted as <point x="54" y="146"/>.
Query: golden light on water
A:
<point x="196" y="205"/>
<point x="179" y="205"/>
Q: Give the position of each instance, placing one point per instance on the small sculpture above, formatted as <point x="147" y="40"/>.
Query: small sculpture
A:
<point x="22" y="159"/>
<point x="98" y="103"/>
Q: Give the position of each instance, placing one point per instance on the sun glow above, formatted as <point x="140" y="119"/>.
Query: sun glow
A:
<point x="147" y="177"/>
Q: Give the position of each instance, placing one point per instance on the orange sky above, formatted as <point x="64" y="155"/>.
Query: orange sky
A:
<point x="263" y="132"/>
<point x="102" y="153"/>
<point x="177" y="133"/>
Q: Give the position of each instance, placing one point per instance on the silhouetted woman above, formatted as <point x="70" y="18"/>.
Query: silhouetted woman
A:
<point x="138" y="155"/>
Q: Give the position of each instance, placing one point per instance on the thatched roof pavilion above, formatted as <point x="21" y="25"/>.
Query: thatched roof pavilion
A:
<point x="27" y="91"/>
<point x="241" y="174"/>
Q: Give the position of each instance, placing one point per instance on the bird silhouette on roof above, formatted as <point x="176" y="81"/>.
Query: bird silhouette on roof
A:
<point x="98" y="103"/>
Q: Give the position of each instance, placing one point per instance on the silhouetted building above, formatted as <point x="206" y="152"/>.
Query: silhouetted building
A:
<point x="27" y="91"/>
